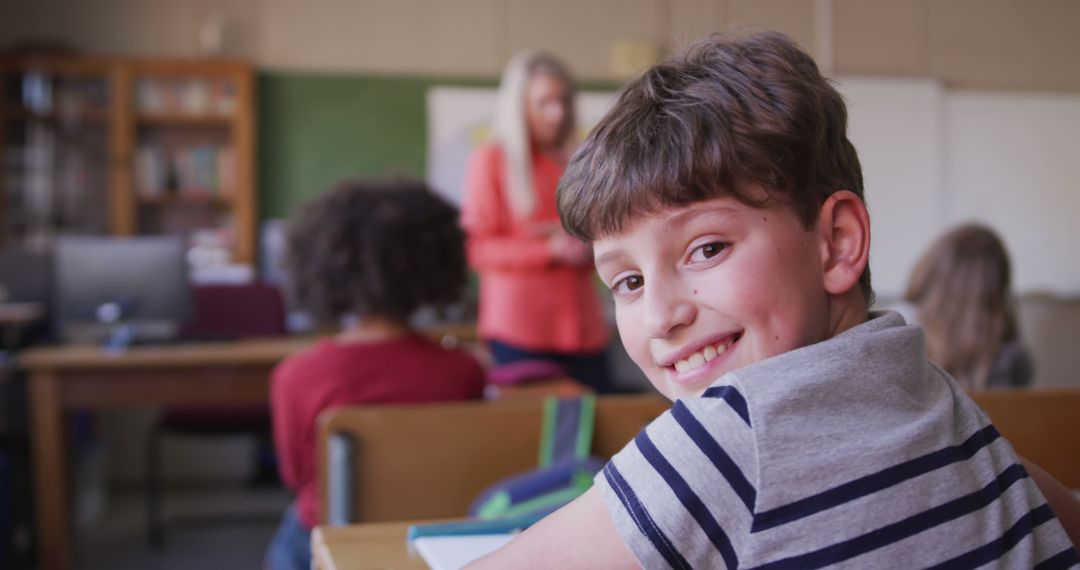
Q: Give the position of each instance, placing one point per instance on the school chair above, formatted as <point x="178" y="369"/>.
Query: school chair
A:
<point x="222" y="312"/>
<point x="1043" y="425"/>
<point x="424" y="461"/>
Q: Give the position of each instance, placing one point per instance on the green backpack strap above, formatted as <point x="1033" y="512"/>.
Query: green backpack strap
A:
<point x="568" y="429"/>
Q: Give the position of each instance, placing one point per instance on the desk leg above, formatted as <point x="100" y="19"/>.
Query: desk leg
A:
<point x="50" y="473"/>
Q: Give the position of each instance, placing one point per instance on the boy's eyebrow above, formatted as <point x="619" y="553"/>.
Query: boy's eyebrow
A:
<point x="608" y="256"/>
<point x="675" y="221"/>
<point x="683" y="217"/>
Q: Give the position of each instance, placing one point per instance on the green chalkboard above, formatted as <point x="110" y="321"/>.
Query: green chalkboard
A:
<point x="314" y="129"/>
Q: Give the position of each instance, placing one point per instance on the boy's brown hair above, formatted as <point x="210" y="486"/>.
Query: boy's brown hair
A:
<point x="727" y="116"/>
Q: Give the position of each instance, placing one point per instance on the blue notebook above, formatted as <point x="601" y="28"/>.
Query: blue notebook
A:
<point x="475" y="526"/>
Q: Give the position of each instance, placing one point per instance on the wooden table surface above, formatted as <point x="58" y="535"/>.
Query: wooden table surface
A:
<point x="366" y="546"/>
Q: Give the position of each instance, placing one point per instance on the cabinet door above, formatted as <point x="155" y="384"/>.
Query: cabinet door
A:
<point x="189" y="173"/>
<point x="55" y="140"/>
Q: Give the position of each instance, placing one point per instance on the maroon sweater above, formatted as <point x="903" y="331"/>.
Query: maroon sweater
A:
<point x="332" y="374"/>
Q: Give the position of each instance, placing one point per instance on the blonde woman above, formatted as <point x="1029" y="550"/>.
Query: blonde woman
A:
<point x="961" y="294"/>
<point x="537" y="295"/>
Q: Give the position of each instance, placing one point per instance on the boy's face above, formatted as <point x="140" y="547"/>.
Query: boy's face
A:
<point x="711" y="287"/>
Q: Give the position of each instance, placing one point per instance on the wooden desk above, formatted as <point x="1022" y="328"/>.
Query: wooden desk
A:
<point x="363" y="547"/>
<point x="1042" y="424"/>
<point x="63" y="378"/>
<point x="68" y="377"/>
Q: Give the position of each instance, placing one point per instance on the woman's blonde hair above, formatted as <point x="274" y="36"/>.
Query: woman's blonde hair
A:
<point x="510" y="129"/>
<point x="961" y="288"/>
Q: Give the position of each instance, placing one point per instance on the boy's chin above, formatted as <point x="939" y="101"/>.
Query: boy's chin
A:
<point x="674" y="391"/>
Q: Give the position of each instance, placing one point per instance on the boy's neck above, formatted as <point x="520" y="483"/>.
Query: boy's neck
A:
<point x="847" y="311"/>
<point x="373" y="329"/>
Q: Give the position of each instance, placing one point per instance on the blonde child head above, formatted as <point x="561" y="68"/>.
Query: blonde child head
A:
<point x="961" y="288"/>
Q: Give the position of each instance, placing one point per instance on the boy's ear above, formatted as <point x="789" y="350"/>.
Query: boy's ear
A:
<point x="844" y="226"/>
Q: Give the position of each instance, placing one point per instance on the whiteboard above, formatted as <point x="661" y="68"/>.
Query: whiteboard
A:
<point x="896" y="125"/>
<point x="459" y="120"/>
<point x="1015" y="164"/>
<point x="934" y="157"/>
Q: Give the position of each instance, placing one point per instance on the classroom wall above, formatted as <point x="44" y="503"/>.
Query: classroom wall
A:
<point x="999" y="44"/>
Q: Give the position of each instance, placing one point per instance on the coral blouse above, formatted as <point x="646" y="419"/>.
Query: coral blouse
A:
<point x="526" y="298"/>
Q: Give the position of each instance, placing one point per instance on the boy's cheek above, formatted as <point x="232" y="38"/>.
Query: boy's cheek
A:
<point x="656" y="377"/>
<point x="643" y="363"/>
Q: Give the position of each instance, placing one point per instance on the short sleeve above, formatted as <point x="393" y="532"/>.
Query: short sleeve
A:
<point x="681" y="494"/>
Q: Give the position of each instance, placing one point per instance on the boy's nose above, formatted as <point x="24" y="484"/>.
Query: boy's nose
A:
<point x="666" y="312"/>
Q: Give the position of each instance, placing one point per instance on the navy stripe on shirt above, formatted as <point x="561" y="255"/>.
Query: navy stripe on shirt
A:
<point x="1065" y="559"/>
<point x="997" y="548"/>
<point x="716" y="454"/>
<point x="642" y="519"/>
<point x="874" y="482"/>
<point x="733" y="398"/>
<point x="689" y="499"/>
<point x="905" y="528"/>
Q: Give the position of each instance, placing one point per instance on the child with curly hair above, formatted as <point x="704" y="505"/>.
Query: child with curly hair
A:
<point x="374" y="252"/>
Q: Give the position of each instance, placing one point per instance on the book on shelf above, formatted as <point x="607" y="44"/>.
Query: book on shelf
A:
<point x="200" y="171"/>
<point x="151" y="172"/>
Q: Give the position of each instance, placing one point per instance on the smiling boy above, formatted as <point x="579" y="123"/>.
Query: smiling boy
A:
<point x="724" y="204"/>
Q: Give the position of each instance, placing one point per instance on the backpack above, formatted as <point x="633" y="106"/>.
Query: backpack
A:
<point x="565" y="468"/>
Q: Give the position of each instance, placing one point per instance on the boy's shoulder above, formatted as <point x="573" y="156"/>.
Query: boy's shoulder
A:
<point x="847" y="438"/>
<point x="881" y="351"/>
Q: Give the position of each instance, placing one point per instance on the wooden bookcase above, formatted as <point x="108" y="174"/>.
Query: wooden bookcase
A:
<point x="128" y="146"/>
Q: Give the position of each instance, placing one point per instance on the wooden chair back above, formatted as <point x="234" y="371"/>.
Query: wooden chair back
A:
<point x="420" y="461"/>
<point x="1043" y="425"/>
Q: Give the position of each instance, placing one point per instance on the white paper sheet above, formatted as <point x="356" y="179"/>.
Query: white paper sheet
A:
<point x="453" y="552"/>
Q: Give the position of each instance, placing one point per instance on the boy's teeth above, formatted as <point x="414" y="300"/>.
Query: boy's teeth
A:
<point x="698" y="359"/>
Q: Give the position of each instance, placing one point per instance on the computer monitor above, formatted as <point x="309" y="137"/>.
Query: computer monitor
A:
<point x="102" y="283"/>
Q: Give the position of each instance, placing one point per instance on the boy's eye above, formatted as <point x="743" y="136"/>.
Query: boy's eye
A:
<point x="708" y="250"/>
<point x="628" y="284"/>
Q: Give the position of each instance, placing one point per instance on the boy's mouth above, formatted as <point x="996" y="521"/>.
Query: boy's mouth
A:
<point x="704" y="355"/>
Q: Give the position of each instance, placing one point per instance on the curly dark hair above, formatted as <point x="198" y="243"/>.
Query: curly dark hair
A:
<point x="375" y="248"/>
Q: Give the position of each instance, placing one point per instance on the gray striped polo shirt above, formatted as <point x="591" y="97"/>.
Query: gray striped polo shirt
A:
<point x="853" y="452"/>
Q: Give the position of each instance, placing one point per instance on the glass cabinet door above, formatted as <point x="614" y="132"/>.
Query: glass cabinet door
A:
<point x="55" y="144"/>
